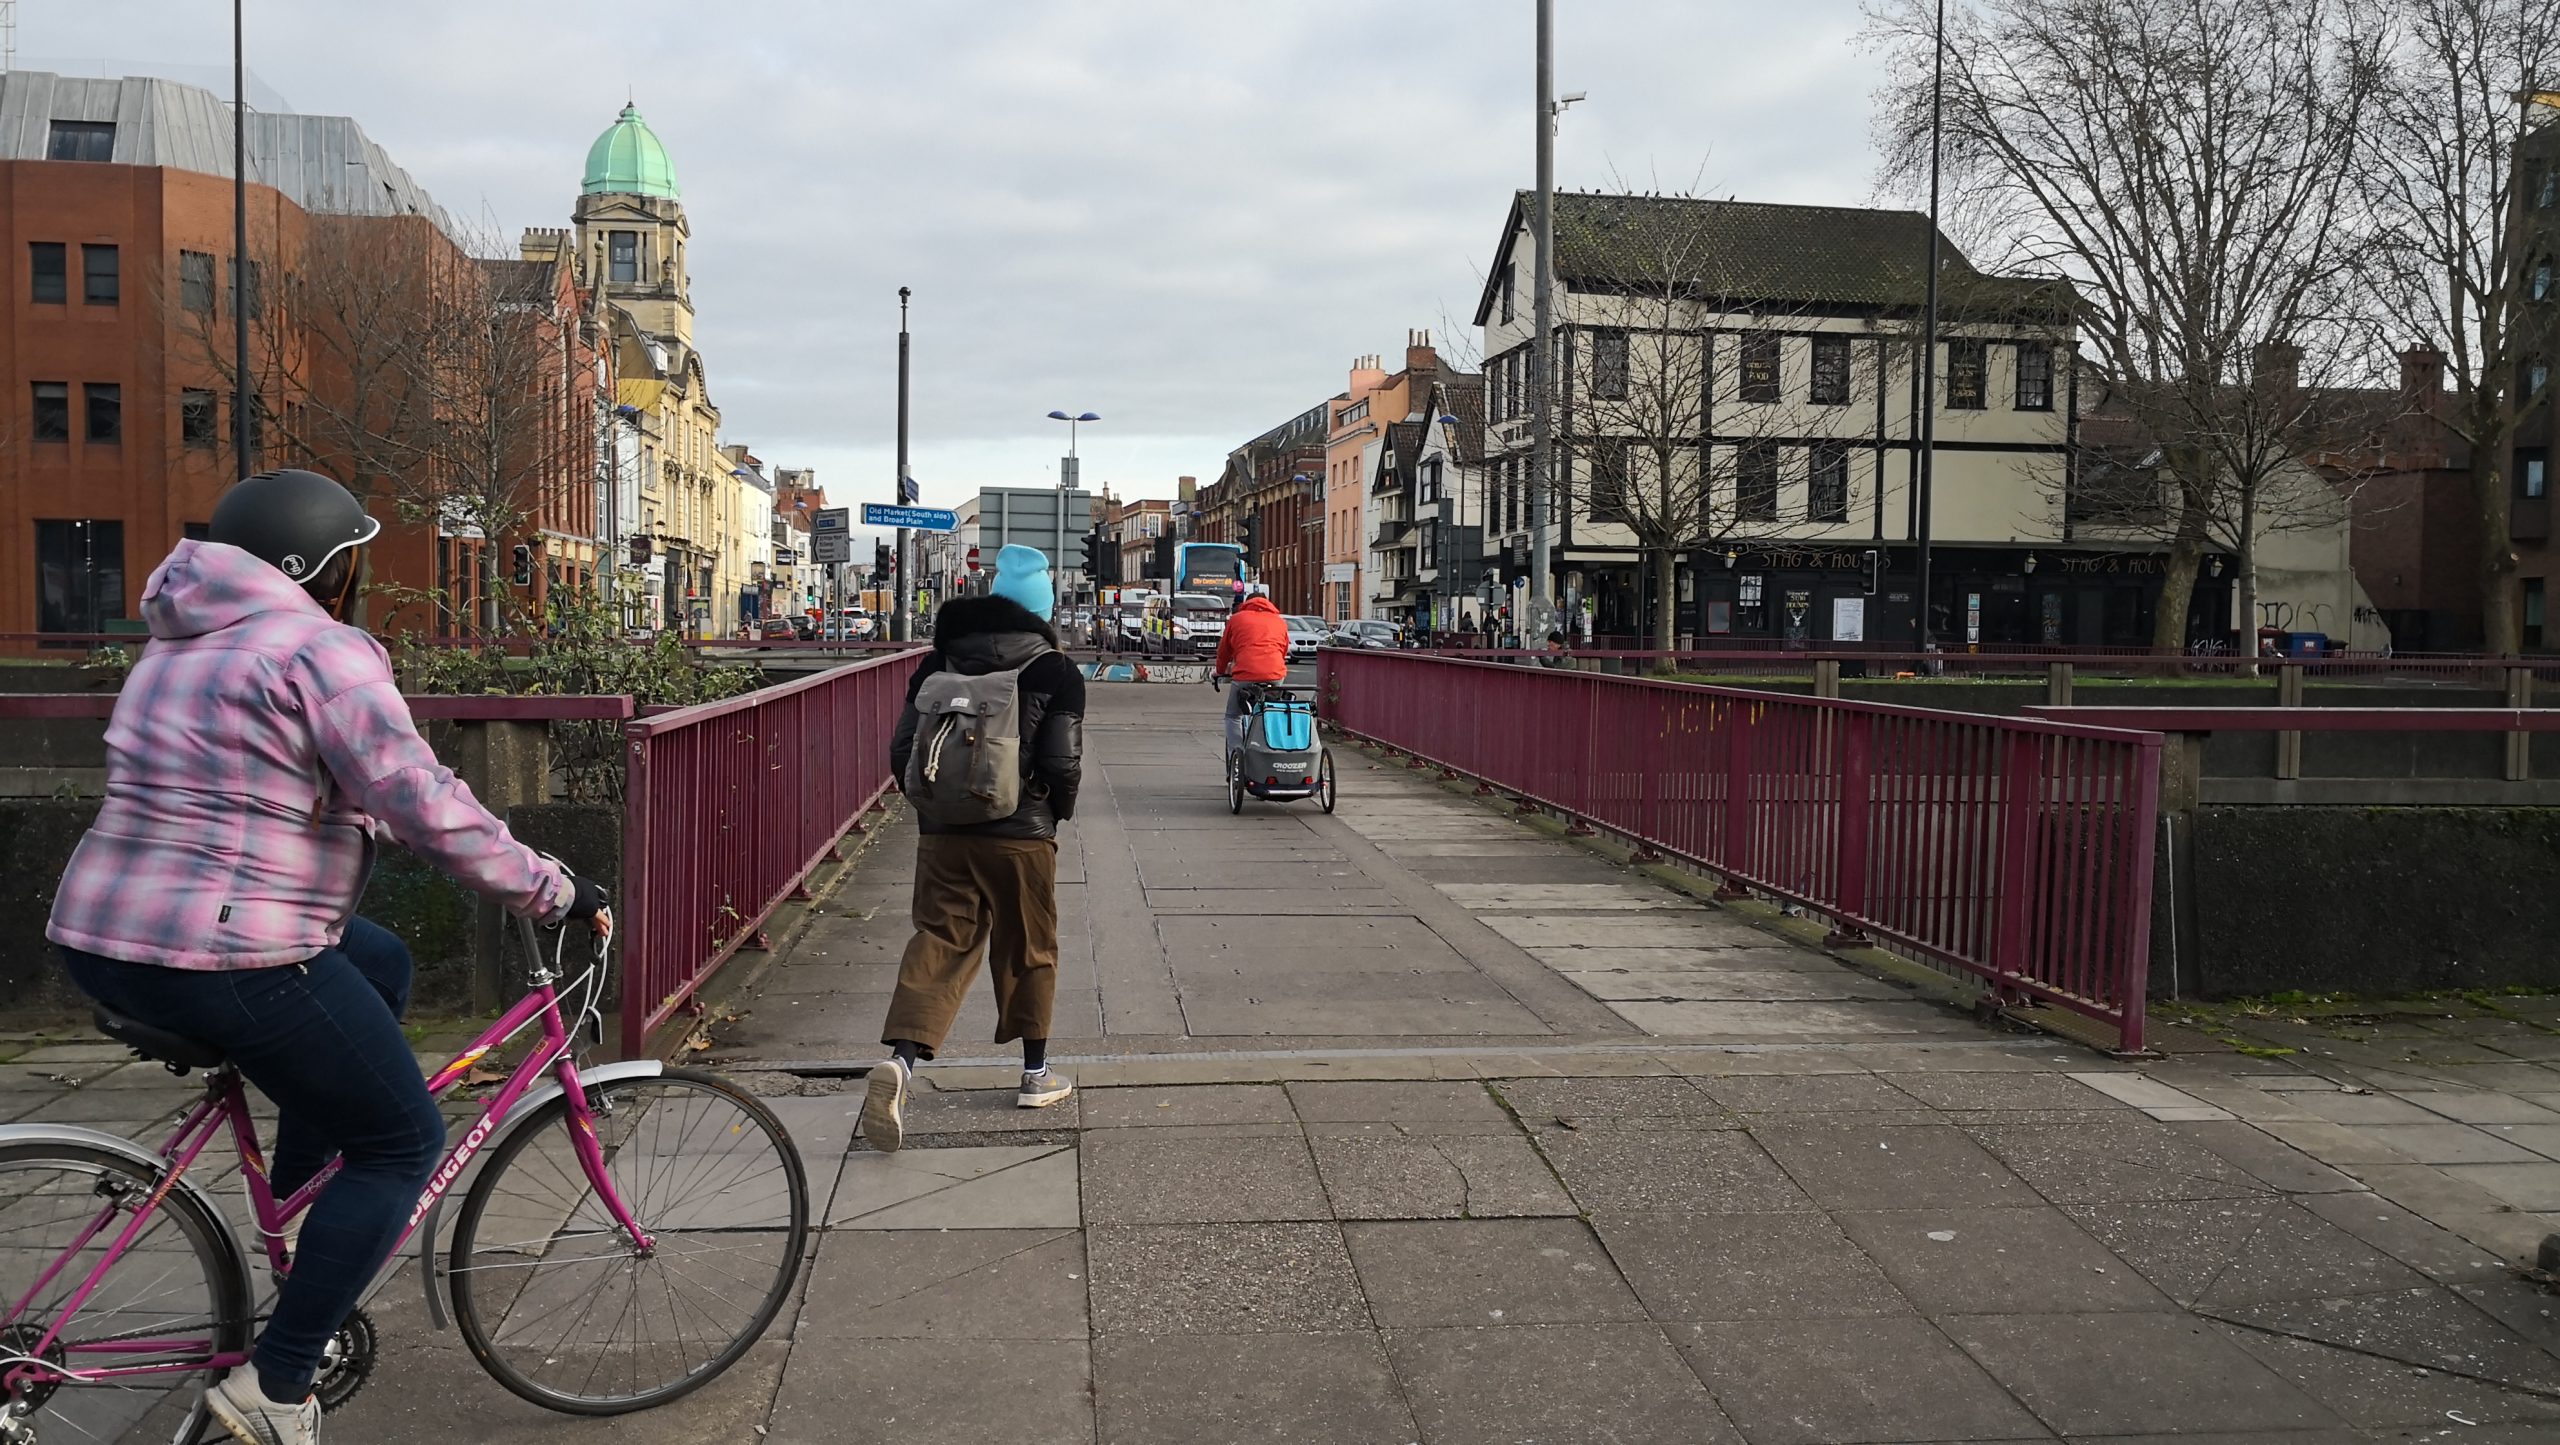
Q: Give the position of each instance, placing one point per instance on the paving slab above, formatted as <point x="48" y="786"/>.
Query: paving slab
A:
<point x="1736" y="985"/>
<point x="2426" y="1326"/>
<point x="1792" y="1020"/>
<point x="2132" y="1374"/>
<point x="2136" y="1159"/>
<point x="1415" y="1102"/>
<point x="1682" y="1171"/>
<point x="1148" y="1176"/>
<point x="1145" y="1107"/>
<point x="1620" y="1383"/>
<point x="1470" y="1272"/>
<point x="1829" y="1382"/>
<point x="1647" y="1103"/>
<point x="985" y="1284"/>
<point x="1807" y="1093"/>
<point x="2032" y="1260"/>
<point x="1746" y="1267"/>
<point x="979" y="1187"/>
<point x="1853" y="1165"/>
<point x="1423" y="1171"/>
<point x="1266" y="1389"/>
<point x="2002" y="1090"/>
<point x="1208" y="1279"/>
<point x="2376" y="1393"/>
<point x="934" y="1392"/>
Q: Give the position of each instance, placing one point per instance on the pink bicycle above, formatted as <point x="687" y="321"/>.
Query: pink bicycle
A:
<point x="631" y="1230"/>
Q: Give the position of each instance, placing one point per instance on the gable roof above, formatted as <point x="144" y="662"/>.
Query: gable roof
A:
<point x="1755" y="252"/>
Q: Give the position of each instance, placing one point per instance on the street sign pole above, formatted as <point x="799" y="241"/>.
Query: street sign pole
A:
<point x="898" y="567"/>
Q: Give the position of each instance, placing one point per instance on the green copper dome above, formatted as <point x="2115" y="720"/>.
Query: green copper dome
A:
<point x="628" y="161"/>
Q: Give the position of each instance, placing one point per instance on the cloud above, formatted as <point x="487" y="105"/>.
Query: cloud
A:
<point x="1185" y="216"/>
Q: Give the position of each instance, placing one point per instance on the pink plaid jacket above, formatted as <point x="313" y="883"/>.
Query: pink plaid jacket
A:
<point x="254" y="753"/>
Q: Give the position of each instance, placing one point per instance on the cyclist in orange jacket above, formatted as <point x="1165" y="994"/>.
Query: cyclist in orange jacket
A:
<point x="1254" y="648"/>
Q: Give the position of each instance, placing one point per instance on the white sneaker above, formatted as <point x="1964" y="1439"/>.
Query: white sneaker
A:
<point x="242" y="1406"/>
<point x="884" y="1106"/>
<point x="1040" y="1090"/>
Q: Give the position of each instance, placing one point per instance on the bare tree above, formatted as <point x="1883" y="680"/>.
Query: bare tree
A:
<point x="1669" y="394"/>
<point x="2440" y="254"/>
<point x="2183" y="163"/>
<point x="424" y="376"/>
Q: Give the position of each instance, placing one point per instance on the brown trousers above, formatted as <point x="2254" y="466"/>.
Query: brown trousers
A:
<point x="999" y="894"/>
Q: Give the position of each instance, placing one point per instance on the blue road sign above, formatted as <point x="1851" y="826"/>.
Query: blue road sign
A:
<point x="922" y="519"/>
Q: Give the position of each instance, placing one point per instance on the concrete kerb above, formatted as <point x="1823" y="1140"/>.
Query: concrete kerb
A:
<point x="1934" y="985"/>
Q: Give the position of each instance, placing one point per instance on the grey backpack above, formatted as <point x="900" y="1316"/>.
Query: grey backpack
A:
<point x="966" y="766"/>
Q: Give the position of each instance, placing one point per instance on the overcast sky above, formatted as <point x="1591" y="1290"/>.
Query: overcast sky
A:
<point x="1186" y="215"/>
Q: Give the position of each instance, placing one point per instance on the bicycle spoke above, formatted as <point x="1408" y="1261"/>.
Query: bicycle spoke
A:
<point x="567" y="1311"/>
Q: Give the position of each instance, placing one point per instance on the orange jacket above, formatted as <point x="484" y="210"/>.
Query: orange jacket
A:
<point x="1255" y="646"/>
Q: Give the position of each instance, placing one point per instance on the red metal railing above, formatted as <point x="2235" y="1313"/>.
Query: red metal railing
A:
<point x="728" y="807"/>
<point x="424" y="707"/>
<point x="2017" y="850"/>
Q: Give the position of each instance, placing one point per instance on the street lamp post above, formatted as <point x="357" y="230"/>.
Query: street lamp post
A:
<point x="1925" y="454"/>
<point x="898" y="586"/>
<point x="1068" y="475"/>
<point x="243" y="401"/>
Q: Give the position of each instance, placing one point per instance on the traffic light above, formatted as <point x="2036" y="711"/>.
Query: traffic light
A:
<point x="880" y="561"/>
<point x="1093" y="555"/>
<point x="524" y="565"/>
<point x="1250" y="535"/>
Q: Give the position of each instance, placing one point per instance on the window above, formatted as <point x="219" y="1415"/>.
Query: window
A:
<point x="2533" y="472"/>
<point x="1964" y="375"/>
<point x="197" y="424"/>
<point x="1831" y="371"/>
<point x="2035" y="377"/>
<point x="1609" y="364"/>
<point x="79" y="575"/>
<point x="82" y="140"/>
<point x="53" y="411"/>
<point x="1429" y="491"/>
<point x="101" y="275"/>
<point x="1498" y="396"/>
<point x="2533" y="612"/>
<point x="2540" y="287"/>
<point x="2549" y="190"/>
<point x="626" y="255"/>
<point x="45" y="268"/>
<point x="1609" y="484"/>
<point x="1828" y="500"/>
<point x="1431" y="544"/>
<point x="104" y="406"/>
<point x="1755" y="482"/>
<point x="1759" y="368"/>
<point x="195" y="282"/>
<point x="2537" y="375"/>
<point x="1507" y="283"/>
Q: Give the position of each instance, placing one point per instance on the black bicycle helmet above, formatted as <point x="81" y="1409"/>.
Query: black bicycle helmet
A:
<point x="293" y="520"/>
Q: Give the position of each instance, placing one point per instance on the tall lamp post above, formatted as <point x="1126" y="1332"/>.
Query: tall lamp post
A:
<point x="898" y="586"/>
<point x="243" y="397"/>
<point x="1925" y="454"/>
<point x="1068" y="478"/>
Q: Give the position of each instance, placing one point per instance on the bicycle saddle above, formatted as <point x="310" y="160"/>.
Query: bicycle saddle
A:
<point x="179" y="1052"/>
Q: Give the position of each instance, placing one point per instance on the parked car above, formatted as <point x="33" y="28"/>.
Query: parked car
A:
<point x="1368" y="632"/>
<point x="781" y="629"/>
<point x="1306" y="634"/>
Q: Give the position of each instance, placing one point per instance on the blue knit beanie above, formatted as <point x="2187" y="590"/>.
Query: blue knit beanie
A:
<point x="1022" y="575"/>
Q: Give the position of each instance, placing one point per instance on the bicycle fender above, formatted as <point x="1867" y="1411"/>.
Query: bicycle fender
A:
<point x="526" y="1107"/>
<point x="148" y="1158"/>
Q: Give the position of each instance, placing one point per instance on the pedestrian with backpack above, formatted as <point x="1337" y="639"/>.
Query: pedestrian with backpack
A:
<point x="989" y="753"/>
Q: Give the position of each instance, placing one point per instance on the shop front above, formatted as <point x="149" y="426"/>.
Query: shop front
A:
<point x="1980" y="596"/>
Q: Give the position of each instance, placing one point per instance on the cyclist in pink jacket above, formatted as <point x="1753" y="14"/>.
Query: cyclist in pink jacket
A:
<point x="256" y="753"/>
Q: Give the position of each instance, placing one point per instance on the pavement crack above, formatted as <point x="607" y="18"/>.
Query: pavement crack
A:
<point x="2280" y="1332"/>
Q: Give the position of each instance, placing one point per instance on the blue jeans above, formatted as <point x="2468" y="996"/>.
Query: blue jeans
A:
<point x="322" y="1039"/>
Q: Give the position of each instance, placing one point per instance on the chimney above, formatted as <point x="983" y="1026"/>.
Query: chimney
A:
<point x="1419" y="358"/>
<point x="2277" y="364"/>
<point x="1366" y="376"/>
<point x="2422" y="377"/>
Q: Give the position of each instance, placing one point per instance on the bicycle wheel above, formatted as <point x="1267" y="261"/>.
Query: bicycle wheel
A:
<point x="1324" y="781"/>
<point x="178" y="1293"/>
<point x="1235" y="782"/>
<point x="556" y="1302"/>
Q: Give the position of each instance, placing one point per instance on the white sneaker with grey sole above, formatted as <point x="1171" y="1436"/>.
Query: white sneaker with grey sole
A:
<point x="1041" y="1089"/>
<point x="884" y="1106"/>
<point x="253" y="1419"/>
